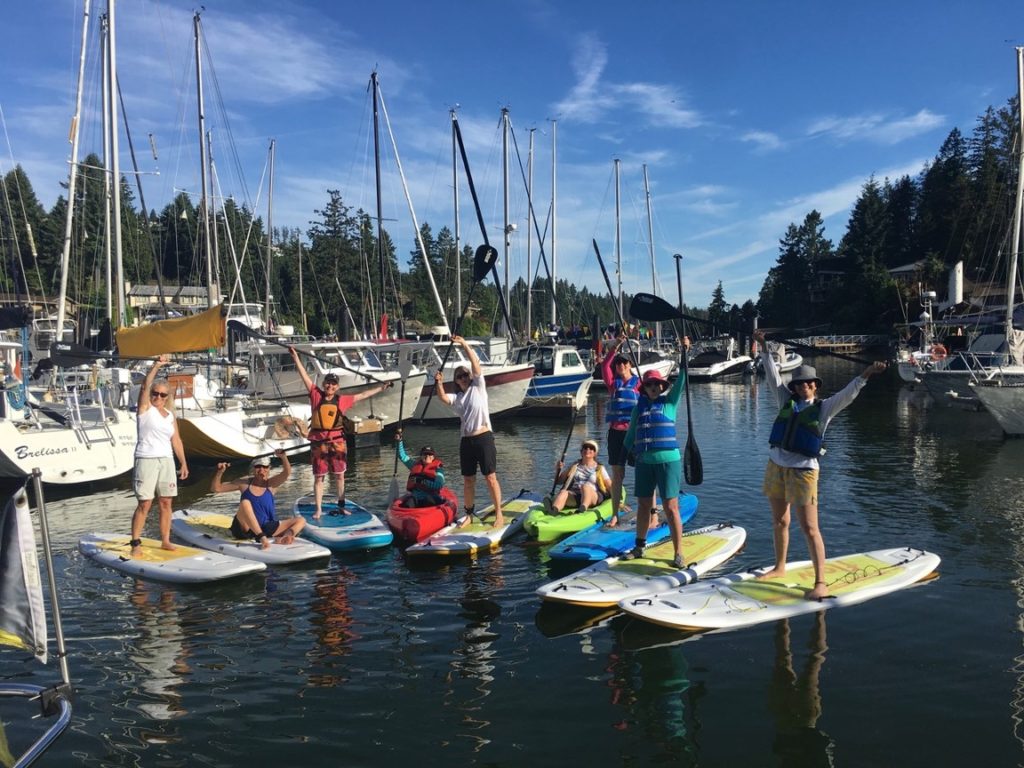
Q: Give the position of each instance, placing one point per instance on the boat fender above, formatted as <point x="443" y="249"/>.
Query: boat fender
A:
<point x="938" y="352"/>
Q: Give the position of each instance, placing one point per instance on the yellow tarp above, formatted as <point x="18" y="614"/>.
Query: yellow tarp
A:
<point x="182" y="334"/>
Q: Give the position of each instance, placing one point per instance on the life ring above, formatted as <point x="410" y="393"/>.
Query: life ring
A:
<point x="938" y="352"/>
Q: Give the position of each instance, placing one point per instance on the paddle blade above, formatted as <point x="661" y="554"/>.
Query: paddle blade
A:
<point x="393" y="490"/>
<point x="483" y="260"/>
<point x="693" y="467"/>
<point x="647" y="306"/>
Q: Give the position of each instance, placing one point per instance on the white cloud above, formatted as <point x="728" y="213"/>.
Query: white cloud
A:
<point x="876" y="127"/>
<point x="764" y="141"/>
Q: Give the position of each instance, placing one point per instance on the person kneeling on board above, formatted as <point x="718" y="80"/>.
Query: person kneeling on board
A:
<point x="256" y="518"/>
<point x="426" y="475"/>
<point x="585" y="484"/>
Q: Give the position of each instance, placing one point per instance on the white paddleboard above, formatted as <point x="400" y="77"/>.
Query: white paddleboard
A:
<point x="185" y="565"/>
<point x="741" y="600"/>
<point x="610" y="581"/>
<point x="359" y="529"/>
<point x="212" y="531"/>
<point x="479" y="535"/>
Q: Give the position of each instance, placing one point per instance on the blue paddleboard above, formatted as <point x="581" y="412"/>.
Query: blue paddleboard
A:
<point x="359" y="529"/>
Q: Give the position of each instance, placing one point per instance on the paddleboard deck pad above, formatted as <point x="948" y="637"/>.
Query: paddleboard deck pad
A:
<point x="612" y="580"/>
<point x="479" y="535"/>
<point x="184" y="565"/>
<point x="212" y="531"/>
<point x="741" y="600"/>
<point x="359" y="529"/>
<point x="598" y="542"/>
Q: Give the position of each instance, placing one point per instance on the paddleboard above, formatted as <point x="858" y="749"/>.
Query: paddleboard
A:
<point x="598" y="541"/>
<point x="741" y="600"/>
<point x="612" y="580"/>
<point x="212" y="531"/>
<point x="480" y="535"/>
<point x="359" y="529"/>
<point x="185" y="565"/>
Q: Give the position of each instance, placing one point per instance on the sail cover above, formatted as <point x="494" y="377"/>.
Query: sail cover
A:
<point x="180" y="334"/>
<point x="22" y="616"/>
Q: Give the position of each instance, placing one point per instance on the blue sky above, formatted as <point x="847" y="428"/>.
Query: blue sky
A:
<point x="747" y="114"/>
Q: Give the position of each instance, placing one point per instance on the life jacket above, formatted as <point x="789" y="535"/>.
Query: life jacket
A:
<point x="798" y="431"/>
<point x="655" y="430"/>
<point x="327" y="416"/>
<point x="598" y="476"/>
<point x="623" y="398"/>
<point x="421" y="473"/>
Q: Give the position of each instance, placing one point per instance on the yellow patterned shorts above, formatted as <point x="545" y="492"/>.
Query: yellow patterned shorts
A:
<point x="796" y="486"/>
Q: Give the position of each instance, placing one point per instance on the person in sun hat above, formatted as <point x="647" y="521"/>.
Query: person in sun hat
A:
<point x="476" y="446"/>
<point x="256" y="517"/>
<point x="328" y="450"/>
<point x="796" y="443"/>
<point x="426" y="475"/>
<point x="623" y="393"/>
<point x="585" y="484"/>
<point x="652" y="437"/>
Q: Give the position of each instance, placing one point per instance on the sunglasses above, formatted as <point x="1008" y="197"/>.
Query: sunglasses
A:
<point x="459" y="376"/>
<point x="330" y="383"/>
<point x="158" y="394"/>
<point x="588" y="448"/>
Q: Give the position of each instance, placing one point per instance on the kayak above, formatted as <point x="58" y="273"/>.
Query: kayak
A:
<point x="546" y="525"/>
<point x="412" y="524"/>
<point x="605" y="584"/>
<point x="212" y="531"/>
<point x="598" y="541"/>
<point x="479" y="535"/>
<point x="358" y="529"/>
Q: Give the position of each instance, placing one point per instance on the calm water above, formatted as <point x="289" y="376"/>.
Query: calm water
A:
<point x="370" y="662"/>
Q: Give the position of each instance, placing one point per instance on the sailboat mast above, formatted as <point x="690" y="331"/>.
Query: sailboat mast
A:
<point x="1011" y="273"/>
<point x="618" y="240"/>
<point x="108" y="255"/>
<point x="115" y="164"/>
<point x="554" y="219"/>
<point x="455" y="194"/>
<point x="380" y="212"/>
<point x="270" y="238"/>
<point x="505" y="220"/>
<point x="650" y="244"/>
<point x="302" y="298"/>
<point x="204" y="199"/>
<point x="529" y="240"/>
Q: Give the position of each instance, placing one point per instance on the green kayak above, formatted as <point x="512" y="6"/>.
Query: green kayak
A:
<point x="546" y="525"/>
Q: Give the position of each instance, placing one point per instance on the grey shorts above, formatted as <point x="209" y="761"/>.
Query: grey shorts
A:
<point x="155" y="477"/>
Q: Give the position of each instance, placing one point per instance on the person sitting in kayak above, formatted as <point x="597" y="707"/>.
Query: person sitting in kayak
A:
<point x="585" y="484"/>
<point x="426" y="475"/>
<point x="256" y="516"/>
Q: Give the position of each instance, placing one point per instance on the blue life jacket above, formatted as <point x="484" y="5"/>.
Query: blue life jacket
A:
<point x="620" y="404"/>
<point x="655" y="431"/>
<point x="798" y="431"/>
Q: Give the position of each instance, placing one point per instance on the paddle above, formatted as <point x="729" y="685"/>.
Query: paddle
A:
<point x="68" y="354"/>
<point x="618" y="312"/>
<point x="647" y="306"/>
<point x="693" y="467"/>
<point x="404" y="365"/>
<point x="565" y="450"/>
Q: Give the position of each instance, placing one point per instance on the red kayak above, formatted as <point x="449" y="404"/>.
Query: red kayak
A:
<point x="413" y="524"/>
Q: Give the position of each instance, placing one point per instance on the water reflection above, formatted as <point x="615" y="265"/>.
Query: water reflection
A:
<point x="795" y="700"/>
<point x="159" y="652"/>
<point x="332" y="624"/>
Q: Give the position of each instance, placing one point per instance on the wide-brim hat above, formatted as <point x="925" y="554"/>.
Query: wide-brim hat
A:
<point x="655" y="375"/>
<point x="804" y="373"/>
<point x="592" y="443"/>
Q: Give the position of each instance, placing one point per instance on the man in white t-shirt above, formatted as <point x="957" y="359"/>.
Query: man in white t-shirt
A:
<point x="476" y="448"/>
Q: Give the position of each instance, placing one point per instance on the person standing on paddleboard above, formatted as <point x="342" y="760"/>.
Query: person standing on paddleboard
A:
<point x="256" y="517"/>
<point x="623" y="393"/>
<point x="652" y="438"/>
<point x="791" y="478"/>
<point x="158" y="444"/>
<point x="476" y="448"/>
<point x="328" y="449"/>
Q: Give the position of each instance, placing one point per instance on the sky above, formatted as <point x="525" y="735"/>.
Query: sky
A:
<point x="746" y="115"/>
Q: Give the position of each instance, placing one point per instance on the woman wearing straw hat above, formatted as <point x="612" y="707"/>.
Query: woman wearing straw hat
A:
<point x="791" y="478"/>
<point x="586" y="482"/>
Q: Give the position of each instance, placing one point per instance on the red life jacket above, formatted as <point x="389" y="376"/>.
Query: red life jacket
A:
<point x="421" y="473"/>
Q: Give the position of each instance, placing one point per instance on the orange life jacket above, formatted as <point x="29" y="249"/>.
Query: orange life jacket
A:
<point x="327" y="416"/>
<point x="423" y="471"/>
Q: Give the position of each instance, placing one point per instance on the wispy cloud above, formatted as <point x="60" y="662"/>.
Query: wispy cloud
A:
<point x="763" y="141"/>
<point x="876" y="127"/>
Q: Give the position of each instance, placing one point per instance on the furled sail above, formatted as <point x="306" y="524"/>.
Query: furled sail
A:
<point x="180" y="334"/>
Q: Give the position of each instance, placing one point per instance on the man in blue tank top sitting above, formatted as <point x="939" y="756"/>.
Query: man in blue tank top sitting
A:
<point x="256" y="517"/>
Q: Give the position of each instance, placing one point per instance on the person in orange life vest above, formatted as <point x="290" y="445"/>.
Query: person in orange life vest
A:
<point x="791" y="478"/>
<point x="328" y="450"/>
<point x="623" y="393"/>
<point x="158" y="444"/>
<point x="426" y="475"/>
<point x="476" y="448"/>
<point x="586" y="482"/>
<point x="256" y="517"/>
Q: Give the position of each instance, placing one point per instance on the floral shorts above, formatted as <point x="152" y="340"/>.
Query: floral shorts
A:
<point x="796" y="486"/>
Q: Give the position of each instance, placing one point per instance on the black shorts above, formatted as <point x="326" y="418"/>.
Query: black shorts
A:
<point x="269" y="529"/>
<point x="475" y="451"/>
<point x="616" y="451"/>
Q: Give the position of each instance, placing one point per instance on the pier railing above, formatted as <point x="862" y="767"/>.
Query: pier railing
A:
<point x="846" y="342"/>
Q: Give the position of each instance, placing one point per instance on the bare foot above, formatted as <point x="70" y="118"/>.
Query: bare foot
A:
<point x="774" y="573"/>
<point x="499" y="521"/>
<point x="265" y="543"/>
<point x="136" y="552"/>
<point x="612" y="521"/>
<point x="820" y="590"/>
<point x="317" y="515"/>
<point x="288" y="538"/>
<point x="168" y="546"/>
<point x="466" y="520"/>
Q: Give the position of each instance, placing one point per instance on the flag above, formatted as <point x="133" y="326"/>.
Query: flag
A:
<point x="22" y="616"/>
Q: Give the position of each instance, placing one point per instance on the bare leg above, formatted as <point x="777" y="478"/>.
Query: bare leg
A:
<point x="165" y="523"/>
<point x="643" y="516"/>
<point x="339" y="484"/>
<point x="558" y="504"/>
<point x="287" y="530"/>
<point x="807" y="516"/>
<point x="247" y="518"/>
<point x="495" y="489"/>
<point x="618" y="473"/>
<point x="675" y="525"/>
<point x="780" y="536"/>
<point x="588" y="496"/>
<point x="139" y="522"/>
<point x="318" y="495"/>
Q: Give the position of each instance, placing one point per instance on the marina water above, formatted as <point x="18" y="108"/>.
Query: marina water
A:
<point x="373" y="661"/>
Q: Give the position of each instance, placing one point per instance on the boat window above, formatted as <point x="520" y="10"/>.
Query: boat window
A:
<point x="571" y="360"/>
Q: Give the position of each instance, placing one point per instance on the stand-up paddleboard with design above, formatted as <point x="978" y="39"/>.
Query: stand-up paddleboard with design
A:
<point x="338" y="531"/>
<point x="610" y="581"/>
<point x="184" y="565"/>
<point x="599" y="541"/>
<point x="479" y="535"/>
<point x="741" y="600"/>
<point x="212" y="531"/>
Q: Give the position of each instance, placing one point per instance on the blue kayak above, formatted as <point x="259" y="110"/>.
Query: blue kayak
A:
<point x="599" y="541"/>
<point x="359" y="529"/>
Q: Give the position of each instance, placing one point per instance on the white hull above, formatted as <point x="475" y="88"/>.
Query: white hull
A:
<point x="241" y="433"/>
<point x="1006" y="404"/>
<point x="506" y="389"/>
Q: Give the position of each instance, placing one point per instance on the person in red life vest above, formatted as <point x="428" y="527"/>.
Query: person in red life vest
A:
<point x="791" y="478"/>
<point x="256" y="517"/>
<point x="328" y="450"/>
<point x="586" y="482"/>
<point x="426" y="475"/>
<point x="623" y="393"/>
